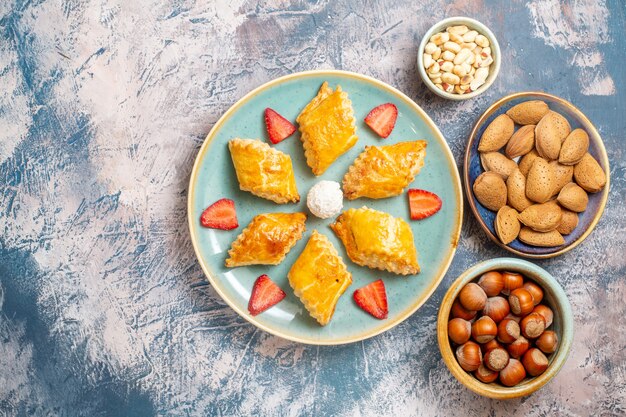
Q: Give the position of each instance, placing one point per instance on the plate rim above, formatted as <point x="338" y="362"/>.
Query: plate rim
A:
<point x="470" y="195"/>
<point x="454" y="237"/>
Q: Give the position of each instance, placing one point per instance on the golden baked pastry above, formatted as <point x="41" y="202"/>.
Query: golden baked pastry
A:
<point x="267" y="239"/>
<point x="264" y="171"/>
<point x="319" y="277"/>
<point x="384" y="171"/>
<point x="377" y="240"/>
<point x="327" y="127"/>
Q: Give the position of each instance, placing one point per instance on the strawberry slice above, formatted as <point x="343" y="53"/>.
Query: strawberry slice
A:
<point x="423" y="204"/>
<point x="278" y="127"/>
<point x="373" y="299"/>
<point x="265" y="294"/>
<point x="220" y="215"/>
<point x="382" y="119"/>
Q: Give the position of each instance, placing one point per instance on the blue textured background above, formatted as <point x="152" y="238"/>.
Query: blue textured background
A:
<point x="103" y="106"/>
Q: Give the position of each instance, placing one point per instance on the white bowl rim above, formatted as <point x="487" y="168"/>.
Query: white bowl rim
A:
<point x="480" y="27"/>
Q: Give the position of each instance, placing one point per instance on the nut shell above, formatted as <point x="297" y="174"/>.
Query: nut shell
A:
<point x="589" y="174"/>
<point x="547" y="342"/>
<point x="490" y="190"/>
<point x="516" y="191"/>
<point x="542" y="217"/>
<point x="564" y="174"/>
<point x="573" y="198"/>
<point x="540" y="181"/>
<point x="527" y="161"/>
<point x="497" y="134"/>
<point x="472" y="297"/>
<point x="529" y="112"/>
<point x="542" y="239"/>
<point x="574" y="148"/>
<point x="569" y="221"/>
<point x="507" y="224"/>
<point x="513" y="373"/>
<point x="498" y="163"/>
<point x="492" y="283"/>
<point x="550" y="132"/>
<point x="522" y="142"/>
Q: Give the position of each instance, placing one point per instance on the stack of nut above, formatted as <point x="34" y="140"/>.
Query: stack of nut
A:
<point x="509" y="334"/>
<point x="458" y="59"/>
<point x="538" y="198"/>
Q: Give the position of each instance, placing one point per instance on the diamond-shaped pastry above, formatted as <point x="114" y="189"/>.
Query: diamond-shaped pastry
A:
<point x="319" y="277"/>
<point x="377" y="240"/>
<point x="264" y="171"/>
<point x="328" y="128"/>
<point x="267" y="239"/>
<point x="384" y="171"/>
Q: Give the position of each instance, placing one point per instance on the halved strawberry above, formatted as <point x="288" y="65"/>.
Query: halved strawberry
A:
<point x="382" y="119"/>
<point x="220" y="215"/>
<point x="423" y="204"/>
<point x="265" y="294"/>
<point x="373" y="299"/>
<point x="278" y="127"/>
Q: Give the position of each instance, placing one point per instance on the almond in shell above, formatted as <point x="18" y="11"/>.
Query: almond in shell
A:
<point x="528" y="112"/>
<point x="490" y="190"/>
<point x="507" y="225"/>
<point x="589" y="174"/>
<point x="522" y="142"/>
<point x="540" y="181"/>
<point x="550" y="132"/>
<point x="573" y="198"/>
<point x="516" y="191"/>
<point x="498" y="163"/>
<point x="527" y="161"/>
<point x="544" y="239"/>
<point x="542" y="217"/>
<point x="564" y="175"/>
<point x="497" y="134"/>
<point x="574" y="148"/>
<point x="569" y="221"/>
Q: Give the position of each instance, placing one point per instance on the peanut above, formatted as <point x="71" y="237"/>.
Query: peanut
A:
<point x="452" y="46"/>
<point x="430" y="48"/>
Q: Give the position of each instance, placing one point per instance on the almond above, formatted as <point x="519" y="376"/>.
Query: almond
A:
<point x="528" y="112"/>
<point x="573" y="198"/>
<point x="521" y="142"/>
<point x="540" y="181"/>
<point x="569" y="221"/>
<point x="490" y="190"/>
<point x="516" y="190"/>
<point x="527" y="161"/>
<point x="497" y="134"/>
<point x="589" y="174"/>
<point x="542" y="217"/>
<point x="498" y="163"/>
<point x="545" y="239"/>
<point x="507" y="225"/>
<point x="574" y="148"/>
<point x="564" y="175"/>
<point x="550" y="132"/>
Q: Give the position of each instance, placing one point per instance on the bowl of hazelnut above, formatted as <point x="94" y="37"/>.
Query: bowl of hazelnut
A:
<point x="505" y="328"/>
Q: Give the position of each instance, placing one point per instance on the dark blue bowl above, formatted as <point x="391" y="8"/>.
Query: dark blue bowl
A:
<point x="472" y="169"/>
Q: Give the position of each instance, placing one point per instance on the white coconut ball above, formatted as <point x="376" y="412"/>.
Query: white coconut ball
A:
<point x="325" y="199"/>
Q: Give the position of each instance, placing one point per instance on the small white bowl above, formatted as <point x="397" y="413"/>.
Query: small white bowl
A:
<point x="472" y="24"/>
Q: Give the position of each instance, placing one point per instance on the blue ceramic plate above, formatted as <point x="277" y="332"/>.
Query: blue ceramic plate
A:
<point x="213" y="177"/>
<point x="586" y="220"/>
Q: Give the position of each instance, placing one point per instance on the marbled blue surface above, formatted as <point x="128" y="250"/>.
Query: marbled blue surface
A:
<point x="103" y="106"/>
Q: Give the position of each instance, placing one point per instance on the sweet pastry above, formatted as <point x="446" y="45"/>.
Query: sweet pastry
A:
<point x="267" y="239"/>
<point x="377" y="240"/>
<point x="264" y="171"/>
<point x="384" y="171"/>
<point x="319" y="277"/>
<point x="328" y="128"/>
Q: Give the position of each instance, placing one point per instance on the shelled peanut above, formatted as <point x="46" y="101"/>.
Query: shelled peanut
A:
<point x="541" y="181"/>
<point x="499" y="328"/>
<point x="458" y="59"/>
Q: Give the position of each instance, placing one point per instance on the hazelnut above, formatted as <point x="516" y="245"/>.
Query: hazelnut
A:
<point x="512" y="280"/>
<point x="497" y="308"/>
<point x="484" y="329"/>
<point x="534" y="361"/>
<point x="518" y="348"/>
<point x="513" y="373"/>
<point x="547" y="342"/>
<point x="545" y="312"/>
<point x="532" y="325"/>
<point x="459" y="330"/>
<point x="534" y="290"/>
<point x="496" y="359"/>
<point x="521" y="302"/>
<point x="508" y="331"/>
<point x="469" y="356"/>
<point x="457" y="310"/>
<point x="492" y="283"/>
<point x="472" y="297"/>
<point x="485" y="374"/>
